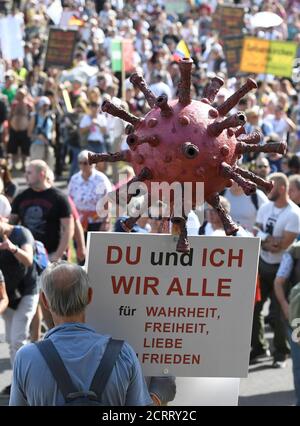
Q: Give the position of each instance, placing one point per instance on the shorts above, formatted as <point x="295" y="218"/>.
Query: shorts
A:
<point x="18" y="139"/>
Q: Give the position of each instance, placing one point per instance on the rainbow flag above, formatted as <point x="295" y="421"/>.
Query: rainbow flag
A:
<point x="181" y="51"/>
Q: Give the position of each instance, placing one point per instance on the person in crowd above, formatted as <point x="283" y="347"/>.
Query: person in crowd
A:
<point x="213" y="225"/>
<point x="288" y="275"/>
<point x="244" y="207"/>
<point x="93" y="129"/>
<point x="294" y="189"/>
<point x="19" y="119"/>
<point x="10" y="187"/>
<point x="86" y="188"/>
<point x="20" y="276"/>
<point x="277" y="224"/>
<point x="41" y="131"/>
<point x="44" y="210"/>
<point x="66" y="292"/>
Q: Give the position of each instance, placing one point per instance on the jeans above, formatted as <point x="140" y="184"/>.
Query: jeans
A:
<point x="17" y="323"/>
<point x="295" y="354"/>
<point x="74" y="165"/>
<point x="267" y="273"/>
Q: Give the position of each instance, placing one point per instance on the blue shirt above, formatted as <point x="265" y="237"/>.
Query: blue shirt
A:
<point x="81" y="349"/>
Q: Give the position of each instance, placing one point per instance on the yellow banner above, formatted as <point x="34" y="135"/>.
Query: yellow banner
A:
<point x="255" y="55"/>
<point x="281" y="58"/>
<point x="268" y="57"/>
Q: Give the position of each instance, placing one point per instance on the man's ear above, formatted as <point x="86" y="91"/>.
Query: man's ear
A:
<point x="45" y="301"/>
<point x="90" y="295"/>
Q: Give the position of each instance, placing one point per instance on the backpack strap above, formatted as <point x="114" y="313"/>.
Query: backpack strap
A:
<point x="62" y="377"/>
<point x="106" y="366"/>
<point x="57" y="367"/>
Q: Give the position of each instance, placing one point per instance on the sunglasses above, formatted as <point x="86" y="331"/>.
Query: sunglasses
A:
<point x="84" y="163"/>
<point x="262" y="167"/>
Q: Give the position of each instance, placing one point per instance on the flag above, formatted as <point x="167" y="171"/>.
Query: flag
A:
<point x="54" y="11"/>
<point x="181" y="51"/>
<point x="116" y="55"/>
<point x="74" y="21"/>
<point x="128" y="55"/>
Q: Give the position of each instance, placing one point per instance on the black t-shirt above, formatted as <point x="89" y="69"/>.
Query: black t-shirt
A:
<point x="19" y="279"/>
<point x="10" y="189"/>
<point x="41" y="212"/>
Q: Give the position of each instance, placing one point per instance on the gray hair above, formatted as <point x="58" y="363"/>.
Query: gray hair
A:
<point x="84" y="155"/>
<point x="65" y="286"/>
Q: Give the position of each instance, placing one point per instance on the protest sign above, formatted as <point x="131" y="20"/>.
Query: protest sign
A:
<point x="187" y="315"/>
<point x="11" y="38"/>
<point x="233" y="46"/>
<point x="281" y="58"/>
<point x="228" y="20"/>
<point x="60" y="48"/>
<point x="254" y="55"/>
<point x="268" y="57"/>
<point x="175" y="6"/>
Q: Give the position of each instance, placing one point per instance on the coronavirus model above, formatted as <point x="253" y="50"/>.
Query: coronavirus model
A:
<point x="185" y="140"/>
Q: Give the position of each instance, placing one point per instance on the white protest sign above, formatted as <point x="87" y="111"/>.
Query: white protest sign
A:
<point x="187" y="315"/>
<point x="54" y="11"/>
<point x="11" y="39"/>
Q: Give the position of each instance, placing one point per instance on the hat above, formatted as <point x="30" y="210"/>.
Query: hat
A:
<point x="136" y="228"/>
<point x="44" y="100"/>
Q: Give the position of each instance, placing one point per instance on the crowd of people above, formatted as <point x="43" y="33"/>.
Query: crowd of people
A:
<point x="50" y="119"/>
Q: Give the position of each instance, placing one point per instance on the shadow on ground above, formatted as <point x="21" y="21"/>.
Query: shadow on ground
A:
<point x="286" y="398"/>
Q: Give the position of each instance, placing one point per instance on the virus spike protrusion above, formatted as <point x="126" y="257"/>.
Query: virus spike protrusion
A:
<point x="162" y="103"/>
<point x="217" y="127"/>
<point x="190" y="150"/>
<point x="213" y="113"/>
<point x="144" y="175"/>
<point x="109" y="158"/>
<point x="183" y="245"/>
<point x="227" y="171"/>
<point x="252" y="138"/>
<point x="152" y="122"/>
<point x="211" y="90"/>
<point x="230" y="227"/>
<point x="133" y="141"/>
<point x="254" y="178"/>
<point x="184" y="87"/>
<point x="129" y="223"/>
<point x="129" y="129"/>
<point x="235" y="98"/>
<point x="138" y="81"/>
<point x="112" y="109"/>
<point x="184" y="120"/>
<point x="278" y="147"/>
<point x="240" y="131"/>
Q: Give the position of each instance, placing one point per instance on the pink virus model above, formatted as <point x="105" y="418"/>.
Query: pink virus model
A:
<point x="185" y="140"/>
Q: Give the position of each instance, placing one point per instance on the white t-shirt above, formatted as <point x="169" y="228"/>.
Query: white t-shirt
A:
<point x="95" y="133"/>
<point x="274" y="222"/>
<point x="242" y="208"/>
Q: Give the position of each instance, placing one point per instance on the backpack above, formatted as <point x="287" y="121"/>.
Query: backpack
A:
<point x="40" y="256"/>
<point x="73" y="396"/>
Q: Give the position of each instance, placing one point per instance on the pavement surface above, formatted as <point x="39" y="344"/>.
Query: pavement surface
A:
<point x="264" y="386"/>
